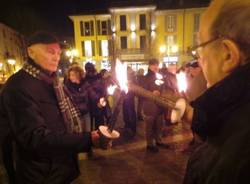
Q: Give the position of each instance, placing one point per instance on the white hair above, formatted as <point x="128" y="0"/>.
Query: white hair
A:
<point x="233" y="21"/>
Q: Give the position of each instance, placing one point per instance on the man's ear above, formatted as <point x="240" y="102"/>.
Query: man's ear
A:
<point x="31" y="53"/>
<point x="230" y="56"/>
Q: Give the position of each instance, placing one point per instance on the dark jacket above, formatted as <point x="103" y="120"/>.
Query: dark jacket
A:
<point x="149" y="107"/>
<point x="222" y="116"/>
<point x="80" y="94"/>
<point x="45" y="152"/>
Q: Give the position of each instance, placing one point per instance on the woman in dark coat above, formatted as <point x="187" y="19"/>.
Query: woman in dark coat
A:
<point x="79" y="90"/>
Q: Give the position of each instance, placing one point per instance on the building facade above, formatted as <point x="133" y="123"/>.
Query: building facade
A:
<point x="12" y="51"/>
<point x="136" y="34"/>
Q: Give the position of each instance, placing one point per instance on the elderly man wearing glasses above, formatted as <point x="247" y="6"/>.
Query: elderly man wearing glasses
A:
<point x="222" y="113"/>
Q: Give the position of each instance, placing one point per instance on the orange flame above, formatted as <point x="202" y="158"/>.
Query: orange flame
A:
<point x="159" y="80"/>
<point x="111" y="89"/>
<point x="181" y="81"/>
<point x="121" y="74"/>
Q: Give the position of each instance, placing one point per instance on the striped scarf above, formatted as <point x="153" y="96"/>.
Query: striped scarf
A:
<point x="70" y="113"/>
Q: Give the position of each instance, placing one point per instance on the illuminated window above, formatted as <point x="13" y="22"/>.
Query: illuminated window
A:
<point x="103" y="27"/>
<point x="103" y="48"/>
<point x="171" y="40"/>
<point x="196" y="22"/>
<point x="196" y="28"/>
<point x="88" y="48"/>
<point x="170" y="21"/>
<point x="87" y="28"/>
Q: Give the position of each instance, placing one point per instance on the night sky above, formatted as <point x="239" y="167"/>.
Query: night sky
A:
<point x="28" y="16"/>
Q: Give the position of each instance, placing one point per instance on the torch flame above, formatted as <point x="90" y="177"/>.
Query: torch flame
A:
<point x="159" y="76"/>
<point x="181" y="82"/>
<point x="111" y="89"/>
<point x="159" y="80"/>
<point x="121" y="74"/>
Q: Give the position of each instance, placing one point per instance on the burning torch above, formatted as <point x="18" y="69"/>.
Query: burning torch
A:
<point x="121" y="75"/>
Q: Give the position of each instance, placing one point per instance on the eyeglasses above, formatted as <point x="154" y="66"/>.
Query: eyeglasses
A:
<point x="196" y="50"/>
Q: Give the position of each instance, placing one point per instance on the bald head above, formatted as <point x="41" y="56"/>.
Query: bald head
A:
<point x="228" y="18"/>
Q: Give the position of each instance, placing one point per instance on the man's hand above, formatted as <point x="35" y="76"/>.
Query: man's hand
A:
<point x="99" y="141"/>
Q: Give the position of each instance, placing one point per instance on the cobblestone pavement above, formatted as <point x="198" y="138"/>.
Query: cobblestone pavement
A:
<point x="127" y="162"/>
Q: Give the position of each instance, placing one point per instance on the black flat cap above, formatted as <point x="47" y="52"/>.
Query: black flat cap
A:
<point x="193" y="64"/>
<point x="153" y="62"/>
<point x="41" y="37"/>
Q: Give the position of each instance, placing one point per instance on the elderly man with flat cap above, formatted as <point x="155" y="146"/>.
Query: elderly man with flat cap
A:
<point x="42" y="121"/>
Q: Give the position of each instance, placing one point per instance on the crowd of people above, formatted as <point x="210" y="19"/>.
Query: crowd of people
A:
<point x="46" y="122"/>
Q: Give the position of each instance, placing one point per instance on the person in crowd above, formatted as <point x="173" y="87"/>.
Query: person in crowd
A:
<point x="96" y="109"/>
<point x="42" y="121"/>
<point x="128" y="108"/>
<point x="105" y="82"/>
<point x="222" y="112"/>
<point x="79" y="90"/>
<point x="170" y="89"/>
<point x="139" y="81"/>
<point x="196" y="81"/>
<point x="152" y="113"/>
<point x="196" y="85"/>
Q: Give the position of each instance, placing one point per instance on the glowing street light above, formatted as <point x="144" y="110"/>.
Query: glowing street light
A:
<point x="71" y="54"/>
<point x="162" y="48"/>
<point x="132" y="27"/>
<point x="174" y="49"/>
<point x="11" y="61"/>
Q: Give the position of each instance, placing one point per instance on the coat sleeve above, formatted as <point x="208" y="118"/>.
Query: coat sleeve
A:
<point x="30" y="130"/>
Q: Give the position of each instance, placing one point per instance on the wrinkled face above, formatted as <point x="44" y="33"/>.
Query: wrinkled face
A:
<point x="154" y="68"/>
<point x="46" y="56"/>
<point x="210" y="59"/>
<point x="74" y="77"/>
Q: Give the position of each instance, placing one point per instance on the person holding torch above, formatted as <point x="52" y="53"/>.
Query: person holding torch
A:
<point x="152" y="113"/>
<point x="222" y="112"/>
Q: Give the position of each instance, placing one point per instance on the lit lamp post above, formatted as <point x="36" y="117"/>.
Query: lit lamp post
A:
<point x="162" y="51"/>
<point x="174" y="50"/>
<point x="2" y="71"/>
<point x="71" y="54"/>
<point x="1" y="66"/>
<point x="12" y="62"/>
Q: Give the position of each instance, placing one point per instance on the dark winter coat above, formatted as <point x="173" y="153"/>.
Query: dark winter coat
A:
<point x="222" y="116"/>
<point x="149" y="107"/>
<point x="80" y="94"/>
<point x="45" y="152"/>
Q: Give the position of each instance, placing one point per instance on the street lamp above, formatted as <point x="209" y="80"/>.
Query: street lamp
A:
<point x="174" y="49"/>
<point x="12" y="62"/>
<point x="162" y="49"/>
<point x="71" y="54"/>
<point x="2" y="78"/>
